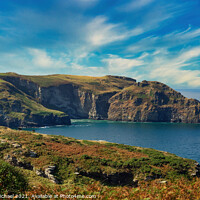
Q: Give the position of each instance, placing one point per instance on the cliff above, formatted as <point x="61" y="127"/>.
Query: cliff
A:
<point x="151" y="101"/>
<point x="18" y="109"/>
<point x="108" y="97"/>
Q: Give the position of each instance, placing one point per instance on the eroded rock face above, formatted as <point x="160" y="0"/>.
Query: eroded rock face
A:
<point x="157" y="105"/>
<point x="34" y="120"/>
<point x="153" y="102"/>
<point x="76" y="102"/>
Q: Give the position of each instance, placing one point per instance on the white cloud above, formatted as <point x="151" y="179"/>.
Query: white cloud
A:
<point x="136" y="4"/>
<point x="100" y="32"/>
<point x="41" y="59"/>
<point x="164" y="42"/>
<point x="144" y="55"/>
<point x="117" y="64"/>
<point x="187" y="55"/>
<point x="169" y="70"/>
<point x="78" y="69"/>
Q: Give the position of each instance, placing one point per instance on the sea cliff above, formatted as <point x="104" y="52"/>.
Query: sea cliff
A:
<point x="109" y="97"/>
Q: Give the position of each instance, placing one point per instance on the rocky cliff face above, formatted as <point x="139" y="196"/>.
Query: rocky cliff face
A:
<point x="67" y="98"/>
<point x="34" y="120"/>
<point x="17" y="109"/>
<point x="153" y="102"/>
<point x="110" y="97"/>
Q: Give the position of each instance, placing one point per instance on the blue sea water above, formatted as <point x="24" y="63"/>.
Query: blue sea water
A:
<point x="180" y="139"/>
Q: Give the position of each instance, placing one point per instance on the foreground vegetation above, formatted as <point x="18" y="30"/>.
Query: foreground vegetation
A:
<point x="37" y="164"/>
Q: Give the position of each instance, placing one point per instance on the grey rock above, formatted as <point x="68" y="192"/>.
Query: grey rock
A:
<point x="196" y="171"/>
<point x="49" y="173"/>
<point x="33" y="154"/>
<point x="163" y="182"/>
<point x="39" y="172"/>
<point x="16" y="145"/>
<point x="3" y="141"/>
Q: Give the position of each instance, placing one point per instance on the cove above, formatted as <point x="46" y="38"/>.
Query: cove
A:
<point x="178" y="138"/>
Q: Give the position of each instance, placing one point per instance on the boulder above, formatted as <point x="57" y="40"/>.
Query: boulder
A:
<point x="16" y="145"/>
<point x="32" y="154"/>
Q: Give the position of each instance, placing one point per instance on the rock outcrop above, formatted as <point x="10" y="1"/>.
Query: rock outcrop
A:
<point x="49" y="173"/>
<point x="13" y="160"/>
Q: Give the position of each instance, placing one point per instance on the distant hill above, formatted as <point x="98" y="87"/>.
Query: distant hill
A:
<point x="50" y="99"/>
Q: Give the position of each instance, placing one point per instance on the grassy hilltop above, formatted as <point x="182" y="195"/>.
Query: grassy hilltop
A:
<point x="96" y="85"/>
<point x="46" y="164"/>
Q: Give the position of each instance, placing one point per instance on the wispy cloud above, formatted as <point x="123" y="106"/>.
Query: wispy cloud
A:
<point x="169" y="69"/>
<point x="117" y="64"/>
<point x="169" y="40"/>
<point x="40" y="59"/>
<point x="101" y="32"/>
<point x="136" y="4"/>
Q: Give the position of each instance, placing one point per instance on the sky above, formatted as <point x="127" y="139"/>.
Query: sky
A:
<point x="154" y="40"/>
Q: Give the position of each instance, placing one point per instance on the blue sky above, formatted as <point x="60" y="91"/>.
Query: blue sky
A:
<point x="144" y="39"/>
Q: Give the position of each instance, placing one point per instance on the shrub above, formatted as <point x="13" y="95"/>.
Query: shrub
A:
<point x="4" y="146"/>
<point x="39" y="137"/>
<point x="86" y="156"/>
<point x="38" y="144"/>
<point x="11" y="180"/>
